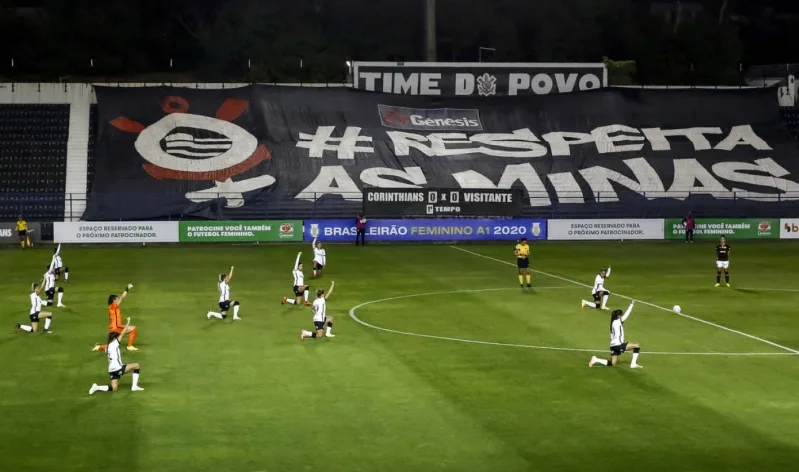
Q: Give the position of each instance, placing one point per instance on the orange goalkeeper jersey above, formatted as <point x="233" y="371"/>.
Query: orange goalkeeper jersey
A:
<point x="114" y="318"/>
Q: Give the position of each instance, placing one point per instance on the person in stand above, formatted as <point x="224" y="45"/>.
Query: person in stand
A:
<point x="360" y="225"/>
<point x="689" y="222"/>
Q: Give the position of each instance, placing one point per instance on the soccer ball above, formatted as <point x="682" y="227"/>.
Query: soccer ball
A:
<point x="677" y="309"/>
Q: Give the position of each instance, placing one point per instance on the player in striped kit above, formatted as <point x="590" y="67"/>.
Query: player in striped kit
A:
<point x="323" y="324"/>
<point x="50" y="289"/>
<point x="319" y="258"/>
<point x="57" y="265"/>
<point x="300" y="289"/>
<point x="224" y="298"/>
<point x="116" y="369"/>
<point x="599" y="292"/>
<point x="36" y="312"/>
<point x="617" y="344"/>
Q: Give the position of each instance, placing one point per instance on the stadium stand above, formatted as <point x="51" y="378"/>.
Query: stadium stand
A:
<point x="92" y="140"/>
<point x="791" y="117"/>
<point x="33" y="159"/>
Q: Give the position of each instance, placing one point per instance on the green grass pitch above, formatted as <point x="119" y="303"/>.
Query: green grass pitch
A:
<point x="251" y="396"/>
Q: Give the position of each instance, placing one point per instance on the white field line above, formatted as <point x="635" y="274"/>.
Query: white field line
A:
<point x="683" y="315"/>
<point x="794" y="290"/>
<point x="526" y="346"/>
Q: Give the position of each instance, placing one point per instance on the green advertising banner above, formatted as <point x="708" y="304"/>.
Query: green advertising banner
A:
<point x="240" y="231"/>
<point x="733" y="228"/>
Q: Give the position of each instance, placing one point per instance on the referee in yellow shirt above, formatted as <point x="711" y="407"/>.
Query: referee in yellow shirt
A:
<point x="522" y="252"/>
<point x="22" y="231"/>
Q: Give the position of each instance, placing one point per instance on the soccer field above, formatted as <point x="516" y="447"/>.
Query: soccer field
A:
<point x="441" y="362"/>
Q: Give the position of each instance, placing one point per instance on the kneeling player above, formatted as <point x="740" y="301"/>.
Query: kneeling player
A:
<point x="50" y="289"/>
<point x="57" y="265"/>
<point x="116" y="369"/>
<point x="319" y="258"/>
<point x="36" y="312"/>
<point x="617" y="344"/>
<point x="224" y="298"/>
<point x="115" y="321"/>
<point x="322" y="323"/>
<point x="300" y="289"/>
<point x="599" y="292"/>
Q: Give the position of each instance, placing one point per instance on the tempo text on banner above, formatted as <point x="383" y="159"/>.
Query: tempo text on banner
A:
<point x="442" y="202"/>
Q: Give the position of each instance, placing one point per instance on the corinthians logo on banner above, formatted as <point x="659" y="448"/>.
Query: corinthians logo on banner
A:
<point x="185" y="146"/>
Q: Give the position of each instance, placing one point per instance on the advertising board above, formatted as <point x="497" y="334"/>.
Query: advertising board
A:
<point x="429" y="230"/>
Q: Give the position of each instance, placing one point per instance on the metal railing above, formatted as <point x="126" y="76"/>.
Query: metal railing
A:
<point x="70" y="207"/>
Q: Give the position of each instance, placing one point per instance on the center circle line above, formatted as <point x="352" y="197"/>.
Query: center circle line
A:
<point x="355" y="318"/>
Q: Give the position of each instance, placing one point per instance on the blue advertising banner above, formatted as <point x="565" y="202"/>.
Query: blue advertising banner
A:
<point x="428" y="230"/>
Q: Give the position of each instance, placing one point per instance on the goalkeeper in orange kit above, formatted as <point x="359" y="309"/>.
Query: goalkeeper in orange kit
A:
<point x="115" y="324"/>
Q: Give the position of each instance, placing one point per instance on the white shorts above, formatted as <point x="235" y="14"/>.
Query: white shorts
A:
<point x="722" y="264"/>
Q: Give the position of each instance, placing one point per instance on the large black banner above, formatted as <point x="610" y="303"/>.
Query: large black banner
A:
<point x="261" y="151"/>
<point x="477" y="79"/>
<point x="442" y="202"/>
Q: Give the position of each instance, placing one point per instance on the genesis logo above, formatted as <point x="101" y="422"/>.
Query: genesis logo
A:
<point x="430" y="119"/>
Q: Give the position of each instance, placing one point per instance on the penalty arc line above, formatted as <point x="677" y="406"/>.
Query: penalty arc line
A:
<point x="683" y="315"/>
<point x="525" y="346"/>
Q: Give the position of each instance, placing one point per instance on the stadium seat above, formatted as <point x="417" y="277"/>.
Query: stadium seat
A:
<point x="33" y="158"/>
<point x="791" y="117"/>
<point x="92" y="140"/>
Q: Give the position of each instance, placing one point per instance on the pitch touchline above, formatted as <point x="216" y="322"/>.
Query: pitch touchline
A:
<point x="693" y="318"/>
<point x="523" y="346"/>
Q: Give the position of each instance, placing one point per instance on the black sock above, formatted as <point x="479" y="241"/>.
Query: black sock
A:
<point x="135" y="371"/>
<point x="224" y="315"/>
<point x="718" y="278"/>
<point x="637" y="350"/>
<point x="610" y="363"/>
<point x="110" y="389"/>
<point x="329" y="324"/>
<point x="313" y="335"/>
<point x="727" y="277"/>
